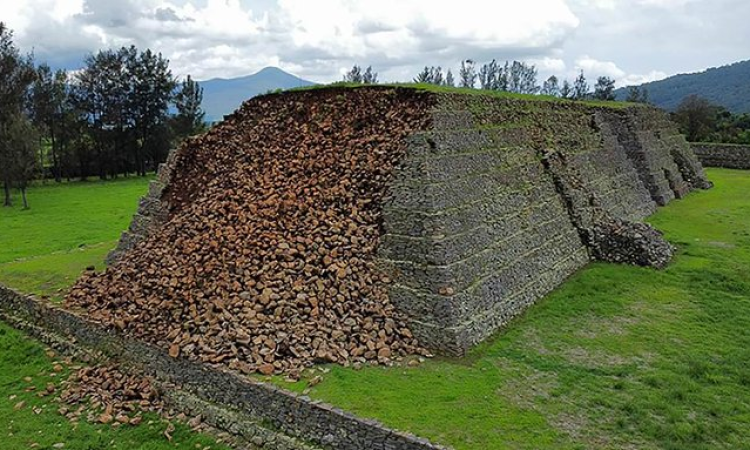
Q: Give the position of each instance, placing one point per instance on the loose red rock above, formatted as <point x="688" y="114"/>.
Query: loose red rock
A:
<point x="267" y="260"/>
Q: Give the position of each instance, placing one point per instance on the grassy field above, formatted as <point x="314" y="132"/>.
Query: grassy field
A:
<point x="429" y="87"/>
<point x="619" y="357"/>
<point x="68" y="228"/>
<point x="30" y="422"/>
<point x="42" y="250"/>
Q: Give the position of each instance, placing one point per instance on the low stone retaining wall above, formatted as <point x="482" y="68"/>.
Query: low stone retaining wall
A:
<point x="729" y="156"/>
<point x="276" y="418"/>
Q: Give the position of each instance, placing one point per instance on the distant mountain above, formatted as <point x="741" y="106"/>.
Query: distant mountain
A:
<point x="728" y="86"/>
<point x="221" y="97"/>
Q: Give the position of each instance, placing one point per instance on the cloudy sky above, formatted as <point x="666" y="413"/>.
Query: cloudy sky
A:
<point x="631" y="41"/>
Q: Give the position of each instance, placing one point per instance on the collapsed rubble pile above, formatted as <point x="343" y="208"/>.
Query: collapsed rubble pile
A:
<point x="266" y="262"/>
<point x="107" y="395"/>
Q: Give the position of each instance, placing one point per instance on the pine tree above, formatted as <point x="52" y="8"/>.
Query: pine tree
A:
<point x="566" y="91"/>
<point x="16" y="75"/>
<point x="467" y="74"/>
<point x="357" y="75"/>
<point x="551" y="87"/>
<point x="370" y="77"/>
<point x="580" y="87"/>
<point x="48" y="106"/>
<point x="604" y="89"/>
<point x="354" y="75"/>
<point x="449" y="81"/>
<point x="189" y="119"/>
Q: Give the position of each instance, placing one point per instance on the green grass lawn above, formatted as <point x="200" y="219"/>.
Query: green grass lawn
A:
<point x="30" y="422"/>
<point x="619" y="357"/>
<point x="429" y="87"/>
<point x="68" y="228"/>
<point x="43" y="249"/>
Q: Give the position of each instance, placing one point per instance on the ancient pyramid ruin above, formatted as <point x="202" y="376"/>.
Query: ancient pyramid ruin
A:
<point x="356" y="225"/>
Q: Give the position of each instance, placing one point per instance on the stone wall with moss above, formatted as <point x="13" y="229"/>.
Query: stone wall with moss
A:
<point x="152" y="211"/>
<point x="503" y="199"/>
<point x="729" y="156"/>
<point x="500" y="199"/>
<point x="261" y="414"/>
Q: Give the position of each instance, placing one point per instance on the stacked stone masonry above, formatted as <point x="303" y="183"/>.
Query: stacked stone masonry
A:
<point x="152" y="211"/>
<point x="502" y="200"/>
<point x="723" y="155"/>
<point x="499" y="200"/>
<point x="495" y="203"/>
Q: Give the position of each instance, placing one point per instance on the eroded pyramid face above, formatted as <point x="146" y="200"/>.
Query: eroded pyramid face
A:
<point x="365" y="225"/>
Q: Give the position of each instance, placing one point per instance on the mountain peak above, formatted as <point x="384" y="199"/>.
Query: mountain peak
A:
<point x="272" y="70"/>
<point x="221" y="97"/>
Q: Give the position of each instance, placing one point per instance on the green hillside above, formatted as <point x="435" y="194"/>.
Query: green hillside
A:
<point x="728" y="86"/>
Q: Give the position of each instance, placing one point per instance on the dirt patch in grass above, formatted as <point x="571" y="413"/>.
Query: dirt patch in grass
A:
<point x="526" y="388"/>
<point x="593" y="327"/>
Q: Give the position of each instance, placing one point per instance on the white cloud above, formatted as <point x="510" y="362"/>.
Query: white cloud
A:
<point x="227" y="38"/>
<point x="548" y="66"/>
<point x="64" y="9"/>
<point x="346" y="25"/>
<point x="13" y="14"/>
<point x="632" y="79"/>
<point x="593" y="69"/>
<point x="619" y="4"/>
<point x="597" y="4"/>
<point x="664" y="3"/>
<point x="627" y="40"/>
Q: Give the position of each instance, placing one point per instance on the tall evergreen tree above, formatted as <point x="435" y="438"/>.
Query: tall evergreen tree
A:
<point x="580" y="87"/>
<point x="424" y="76"/>
<point x="101" y="98"/>
<point x="528" y="84"/>
<point x="431" y="75"/>
<point x="48" y="104"/>
<point x="189" y="119"/>
<point x="354" y="75"/>
<point x="125" y="95"/>
<point x="151" y="91"/>
<point x="16" y="75"/>
<point x="604" y="89"/>
<point x="370" y="77"/>
<point x="468" y="74"/>
<point x="489" y="75"/>
<point x="19" y="142"/>
<point x="357" y="75"/>
<point x="551" y="87"/>
<point x="566" y="91"/>
<point x="449" y="80"/>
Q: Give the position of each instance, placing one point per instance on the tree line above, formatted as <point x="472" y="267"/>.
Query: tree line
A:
<point x="702" y="121"/>
<point x="516" y="77"/>
<point x="697" y="118"/>
<point x="117" y="116"/>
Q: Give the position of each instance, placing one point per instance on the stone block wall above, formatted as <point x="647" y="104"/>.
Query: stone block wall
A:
<point x="475" y="231"/>
<point x="660" y="155"/>
<point x="729" y="156"/>
<point x="502" y="200"/>
<point x="267" y="416"/>
<point x="152" y="211"/>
